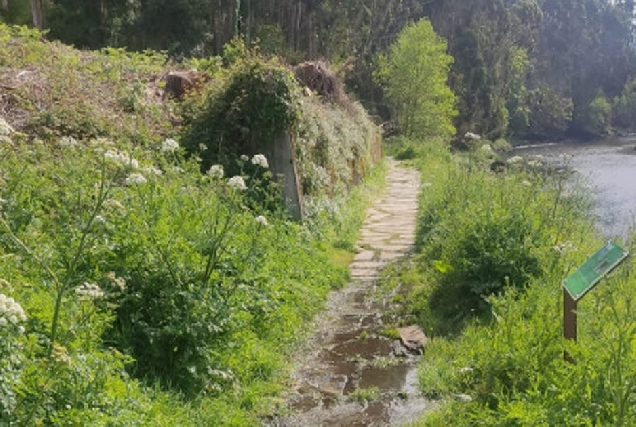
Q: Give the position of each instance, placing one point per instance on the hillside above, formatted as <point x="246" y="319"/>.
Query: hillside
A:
<point x="150" y="273"/>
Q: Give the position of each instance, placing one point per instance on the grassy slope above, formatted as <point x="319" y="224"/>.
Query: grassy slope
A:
<point x="71" y="217"/>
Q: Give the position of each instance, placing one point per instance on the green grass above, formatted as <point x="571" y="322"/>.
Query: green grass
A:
<point x="153" y="294"/>
<point x="485" y="284"/>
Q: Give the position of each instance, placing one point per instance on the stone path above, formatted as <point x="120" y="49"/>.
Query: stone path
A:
<point x="346" y="375"/>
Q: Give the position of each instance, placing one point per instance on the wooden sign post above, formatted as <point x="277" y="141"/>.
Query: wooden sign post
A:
<point x="583" y="280"/>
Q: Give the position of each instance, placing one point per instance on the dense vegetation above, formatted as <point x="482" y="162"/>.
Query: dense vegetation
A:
<point x="530" y="68"/>
<point x="485" y="283"/>
<point x="140" y="283"/>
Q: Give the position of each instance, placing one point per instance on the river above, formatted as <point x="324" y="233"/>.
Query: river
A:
<point x="608" y="168"/>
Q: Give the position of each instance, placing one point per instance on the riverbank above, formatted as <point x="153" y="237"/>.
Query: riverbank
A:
<point x="605" y="167"/>
<point x="485" y="284"/>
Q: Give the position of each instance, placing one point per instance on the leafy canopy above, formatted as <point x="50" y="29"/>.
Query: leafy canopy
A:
<point x="414" y="73"/>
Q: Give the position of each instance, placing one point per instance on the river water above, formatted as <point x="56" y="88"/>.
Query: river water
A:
<point x="608" y="168"/>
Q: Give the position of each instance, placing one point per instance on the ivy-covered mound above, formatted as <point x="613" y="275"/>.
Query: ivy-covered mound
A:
<point x="257" y="100"/>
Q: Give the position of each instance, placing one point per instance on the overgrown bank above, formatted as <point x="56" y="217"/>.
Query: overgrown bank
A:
<point x="139" y="284"/>
<point x="485" y="283"/>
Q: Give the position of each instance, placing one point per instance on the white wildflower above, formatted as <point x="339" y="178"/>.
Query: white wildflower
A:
<point x="473" y="136"/>
<point x="237" y="183"/>
<point x="526" y="183"/>
<point x="487" y="148"/>
<point x="100" y="219"/>
<point x="244" y="157"/>
<point x="21" y="329"/>
<point x="152" y="170"/>
<point x="262" y="220"/>
<point x="136" y="179"/>
<point x="169" y="145"/>
<point x="514" y="160"/>
<point x="10" y="311"/>
<point x="89" y="290"/>
<point x="120" y="282"/>
<point x="68" y="142"/>
<point x="216" y="171"/>
<point x="564" y="247"/>
<point x="121" y="157"/>
<point x="260" y="160"/>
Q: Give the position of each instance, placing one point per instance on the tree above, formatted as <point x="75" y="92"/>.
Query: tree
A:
<point x="414" y="74"/>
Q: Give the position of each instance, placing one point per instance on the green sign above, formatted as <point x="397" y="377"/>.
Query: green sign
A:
<point x="594" y="269"/>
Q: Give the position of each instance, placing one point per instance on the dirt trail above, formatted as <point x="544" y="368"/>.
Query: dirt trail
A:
<point x="347" y="375"/>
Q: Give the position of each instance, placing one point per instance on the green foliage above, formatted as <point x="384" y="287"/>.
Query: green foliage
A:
<point x="110" y="247"/>
<point x="505" y="366"/>
<point x="624" y="107"/>
<point x="85" y="95"/>
<point x="255" y="103"/>
<point x="479" y="244"/>
<point x="334" y="148"/>
<point x="414" y="74"/>
<point x="597" y="116"/>
<point x="551" y="114"/>
<point x="156" y="295"/>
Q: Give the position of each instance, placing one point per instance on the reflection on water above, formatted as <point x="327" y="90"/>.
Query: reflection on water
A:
<point x="608" y="167"/>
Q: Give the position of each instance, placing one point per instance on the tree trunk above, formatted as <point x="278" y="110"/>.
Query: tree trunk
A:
<point x="36" y="12"/>
<point x="4" y="4"/>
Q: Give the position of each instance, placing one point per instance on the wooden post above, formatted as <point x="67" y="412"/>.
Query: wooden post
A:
<point x="569" y="321"/>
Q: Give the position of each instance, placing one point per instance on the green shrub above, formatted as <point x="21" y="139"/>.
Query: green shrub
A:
<point x="242" y="113"/>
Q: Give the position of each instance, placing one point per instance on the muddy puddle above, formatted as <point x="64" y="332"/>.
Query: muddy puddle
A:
<point x="348" y="374"/>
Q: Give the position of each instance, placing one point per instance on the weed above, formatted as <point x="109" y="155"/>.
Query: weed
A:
<point x="365" y="395"/>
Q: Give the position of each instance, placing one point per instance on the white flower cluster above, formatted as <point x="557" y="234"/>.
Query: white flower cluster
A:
<point x="216" y="171"/>
<point x="262" y="220"/>
<point x="122" y="158"/>
<point x="169" y="145"/>
<point x="68" y="142"/>
<point x="244" y="157"/>
<point x="564" y="247"/>
<point x="90" y="290"/>
<point x="514" y="160"/>
<point x="136" y="179"/>
<point x="237" y="183"/>
<point x="260" y="160"/>
<point x="11" y="313"/>
<point x="152" y="170"/>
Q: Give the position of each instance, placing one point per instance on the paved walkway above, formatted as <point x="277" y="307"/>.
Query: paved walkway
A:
<point x="346" y="374"/>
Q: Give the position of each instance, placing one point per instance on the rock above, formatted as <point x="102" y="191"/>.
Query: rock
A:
<point x="5" y="128"/>
<point x="178" y="83"/>
<point x="465" y="398"/>
<point x="473" y="136"/>
<point x="498" y="166"/>
<point x="413" y="338"/>
<point x="398" y="349"/>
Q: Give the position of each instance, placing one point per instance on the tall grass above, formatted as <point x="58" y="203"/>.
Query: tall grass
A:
<point x="493" y="250"/>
